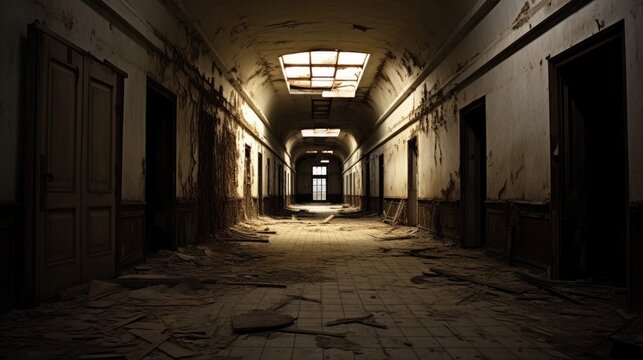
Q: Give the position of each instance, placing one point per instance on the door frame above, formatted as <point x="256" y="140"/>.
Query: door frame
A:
<point x="559" y="155"/>
<point x="471" y="107"/>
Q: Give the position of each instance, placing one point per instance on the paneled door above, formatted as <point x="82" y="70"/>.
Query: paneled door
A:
<point x="99" y="171"/>
<point x="74" y="144"/>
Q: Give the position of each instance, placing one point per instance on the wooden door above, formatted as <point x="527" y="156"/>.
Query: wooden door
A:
<point x="99" y="171"/>
<point x="74" y="145"/>
<point x="57" y="172"/>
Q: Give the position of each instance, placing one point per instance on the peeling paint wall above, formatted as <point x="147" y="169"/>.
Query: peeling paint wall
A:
<point x="517" y="104"/>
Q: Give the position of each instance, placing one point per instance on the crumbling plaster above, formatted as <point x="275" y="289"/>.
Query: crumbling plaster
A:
<point x="179" y="62"/>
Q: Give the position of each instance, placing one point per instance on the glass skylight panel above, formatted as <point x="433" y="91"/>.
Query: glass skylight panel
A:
<point x="298" y="72"/>
<point x="323" y="57"/>
<point x="348" y="73"/>
<point x="324" y="71"/>
<point x="321" y="83"/>
<point x="351" y="58"/>
<point x="299" y="83"/>
<point x="330" y="73"/>
<point x="320" y="132"/>
<point x="302" y="58"/>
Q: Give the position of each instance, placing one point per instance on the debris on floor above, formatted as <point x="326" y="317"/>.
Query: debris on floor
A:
<point x="337" y="289"/>
<point x="260" y="321"/>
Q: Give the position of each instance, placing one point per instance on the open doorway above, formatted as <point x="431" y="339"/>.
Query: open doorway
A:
<point x="412" y="196"/>
<point x="160" y="167"/>
<point x="260" y="183"/>
<point x="367" y="185"/>
<point x="380" y="161"/>
<point x="247" y="183"/>
<point x="473" y="170"/>
<point x="589" y="159"/>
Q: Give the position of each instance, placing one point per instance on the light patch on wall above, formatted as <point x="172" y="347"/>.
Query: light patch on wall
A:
<point x="331" y="73"/>
<point x="320" y="132"/>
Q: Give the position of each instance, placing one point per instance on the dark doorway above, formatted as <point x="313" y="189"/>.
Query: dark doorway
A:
<point x="589" y="159"/>
<point x="367" y="185"/>
<point x="280" y="187"/>
<point x="247" y="184"/>
<point x="160" y="167"/>
<point x="380" y="162"/>
<point x="259" y="183"/>
<point x="473" y="170"/>
<point x="412" y="197"/>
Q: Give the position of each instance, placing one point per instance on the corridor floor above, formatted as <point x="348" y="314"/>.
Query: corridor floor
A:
<point x="347" y="268"/>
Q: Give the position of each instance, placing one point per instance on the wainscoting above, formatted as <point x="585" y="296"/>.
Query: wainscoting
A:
<point x="519" y="232"/>
<point x="440" y="217"/>
<point x="635" y="249"/>
<point x="10" y="230"/>
<point x="132" y="234"/>
<point x="187" y="222"/>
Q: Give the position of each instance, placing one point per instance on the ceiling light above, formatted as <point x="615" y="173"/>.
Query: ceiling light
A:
<point x="327" y="151"/>
<point x="320" y="132"/>
<point x="311" y="152"/>
<point x="324" y="161"/>
<point x="331" y="73"/>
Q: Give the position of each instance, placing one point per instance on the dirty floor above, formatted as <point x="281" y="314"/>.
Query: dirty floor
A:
<point x="406" y="294"/>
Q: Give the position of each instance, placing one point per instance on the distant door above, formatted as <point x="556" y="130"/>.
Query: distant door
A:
<point x="75" y="145"/>
<point x="589" y="160"/>
<point x="160" y="167"/>
<point x="367" y="185"/>
<point x="380" y="161"/>
<point x="473" y="170"/>
<point x="260" y="183"/>
<point x="412" y="182"/>
<point x="319" y="176"/>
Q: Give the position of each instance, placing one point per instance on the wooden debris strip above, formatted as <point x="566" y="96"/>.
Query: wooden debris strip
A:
<point x="543" y="285"/>
<point x="364" y="320"/>
<point x="477" y="281"/>
<point x="327" y="219"/>
<point x="407" y="235"/>
<point x="260" y="321"/>
<point x="169" y="348"/>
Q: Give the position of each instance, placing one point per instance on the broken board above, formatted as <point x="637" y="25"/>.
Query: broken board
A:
<point x="260" y="321"/>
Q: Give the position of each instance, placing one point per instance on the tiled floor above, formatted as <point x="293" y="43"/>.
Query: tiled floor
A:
<point x="422" y="321"/>
<point x="351" y="273"/>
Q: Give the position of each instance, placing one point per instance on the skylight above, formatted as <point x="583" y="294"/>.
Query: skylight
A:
<point x="331" y="73"/>
<point x="320" y="132"/>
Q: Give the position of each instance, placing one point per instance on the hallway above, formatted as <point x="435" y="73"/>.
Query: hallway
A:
<point x="346" y="268"/>
<point x="454" y="178"/>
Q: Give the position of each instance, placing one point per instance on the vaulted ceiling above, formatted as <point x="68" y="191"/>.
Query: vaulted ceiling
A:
<point x="401" y="36"/>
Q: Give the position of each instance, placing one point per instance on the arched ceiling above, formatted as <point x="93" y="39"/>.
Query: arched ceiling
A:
<point x="400" y="36"/>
